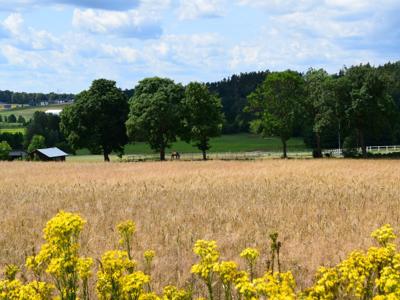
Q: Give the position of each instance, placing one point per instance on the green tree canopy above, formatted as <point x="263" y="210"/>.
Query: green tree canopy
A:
<point x="38" y="142"/>
<point x="370" y="106"/>
<point x="47" y="125"/>
<point x="155" y="113"/>
<point x="319" y="104"/>
<point x="96" y="120"/>
<point x="203" y="117"/>
<point x="277" y="104"/>
<point x="5" y="149"/>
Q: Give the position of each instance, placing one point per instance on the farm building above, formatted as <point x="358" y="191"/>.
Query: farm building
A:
<point x="49" y="154"/>
<point x="17" y="154"/>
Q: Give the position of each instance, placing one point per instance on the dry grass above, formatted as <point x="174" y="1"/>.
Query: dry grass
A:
<point x="322" y="209"/>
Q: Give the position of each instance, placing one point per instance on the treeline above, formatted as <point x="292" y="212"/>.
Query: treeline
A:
<point x="33" y="99"/>
<point x="357" y="107"/>
<point x="12" y="119"/>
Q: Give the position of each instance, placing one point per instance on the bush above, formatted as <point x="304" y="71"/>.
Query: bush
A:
<point x="350" y="146"/>
<point x="12" y="119"/>
<point x="38" y="142"/>
<point x="4" y="150"/>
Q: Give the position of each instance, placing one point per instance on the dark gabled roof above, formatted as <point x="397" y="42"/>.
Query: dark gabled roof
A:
<point x="52" y="152"/>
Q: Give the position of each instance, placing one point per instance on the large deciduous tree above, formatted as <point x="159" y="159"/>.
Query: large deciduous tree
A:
<point x="202" y="117"/>
<point x="370" y="104"/>
<point x="276" y="104"/>
<point x="96" y="119"/>
<point x="155" y="113"/>
<point x="319" y="104"/>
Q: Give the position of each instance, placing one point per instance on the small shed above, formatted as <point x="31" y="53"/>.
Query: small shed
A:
<point x="17" y="154"/>
<point x="49" y="154"/>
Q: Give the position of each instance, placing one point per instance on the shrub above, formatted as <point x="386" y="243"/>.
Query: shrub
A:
<point x="4" y="150"/>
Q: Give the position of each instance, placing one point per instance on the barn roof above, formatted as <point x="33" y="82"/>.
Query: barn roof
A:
<point x="52" y="152"/>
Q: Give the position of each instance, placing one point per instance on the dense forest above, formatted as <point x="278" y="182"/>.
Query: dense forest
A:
<point x="233" y="92"/>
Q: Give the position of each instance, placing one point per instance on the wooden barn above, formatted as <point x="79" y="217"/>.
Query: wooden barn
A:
<point x="49" y="154"/>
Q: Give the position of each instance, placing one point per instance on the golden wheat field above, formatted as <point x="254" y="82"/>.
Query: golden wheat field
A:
<point x="322" y="209"/>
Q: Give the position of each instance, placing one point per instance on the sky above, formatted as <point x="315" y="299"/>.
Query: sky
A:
<point x="63" y="45"/>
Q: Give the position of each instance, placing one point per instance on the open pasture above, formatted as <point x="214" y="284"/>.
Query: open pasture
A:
<point x="322" y="209"/>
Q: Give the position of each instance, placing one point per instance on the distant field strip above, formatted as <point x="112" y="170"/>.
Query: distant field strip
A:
<point x="12" y="130"/>
<point x="28" y="112"/>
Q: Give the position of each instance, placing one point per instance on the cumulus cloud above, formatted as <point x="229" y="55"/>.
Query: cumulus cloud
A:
<point x="130" y="24"/>
<point x="194" y="9"/>
<point x="330" y="33"/>
<point x="109" y="39"/>
<point x="13" y="23"/>
<point x="143" y="22"/>
<point x="281" y="6"/>
<point x="26" y="37"/>
<point x="121" y="54"/>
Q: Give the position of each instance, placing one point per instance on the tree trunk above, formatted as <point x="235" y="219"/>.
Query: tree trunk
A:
<point x="318" y="152"/>
<point x="106" y="157"/>
<point x="204" y="154"/>
<point x="362" y="143"/>
<point x="162" y="154"/>
<point x="284" y="148"/>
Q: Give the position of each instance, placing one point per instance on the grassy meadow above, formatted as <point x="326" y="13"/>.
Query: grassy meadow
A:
<point x="234" y="143"/>
<point x="322" y="209"/>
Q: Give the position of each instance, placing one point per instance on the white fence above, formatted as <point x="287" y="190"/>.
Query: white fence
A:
<point x="373" y="149"/>
<point x="386" y="149"/>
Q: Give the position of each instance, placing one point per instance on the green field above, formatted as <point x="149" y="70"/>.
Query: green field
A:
<point x="28" y="112"/>
<point x="225" y="143"/>
<point x="12" y="130"/>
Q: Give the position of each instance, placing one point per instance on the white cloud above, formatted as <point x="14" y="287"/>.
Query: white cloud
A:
<point x="142" y="22"/>
<point x="16" y="56"/>
<point x="121" y="54"/>
<point x="280" y="6"/>
<point x="13" y="23"/>
<point x="27" y="37"/>
<point x="194" y="9"/>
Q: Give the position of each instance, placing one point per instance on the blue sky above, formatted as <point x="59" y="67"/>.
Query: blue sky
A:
<point x="62" y="45"/>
